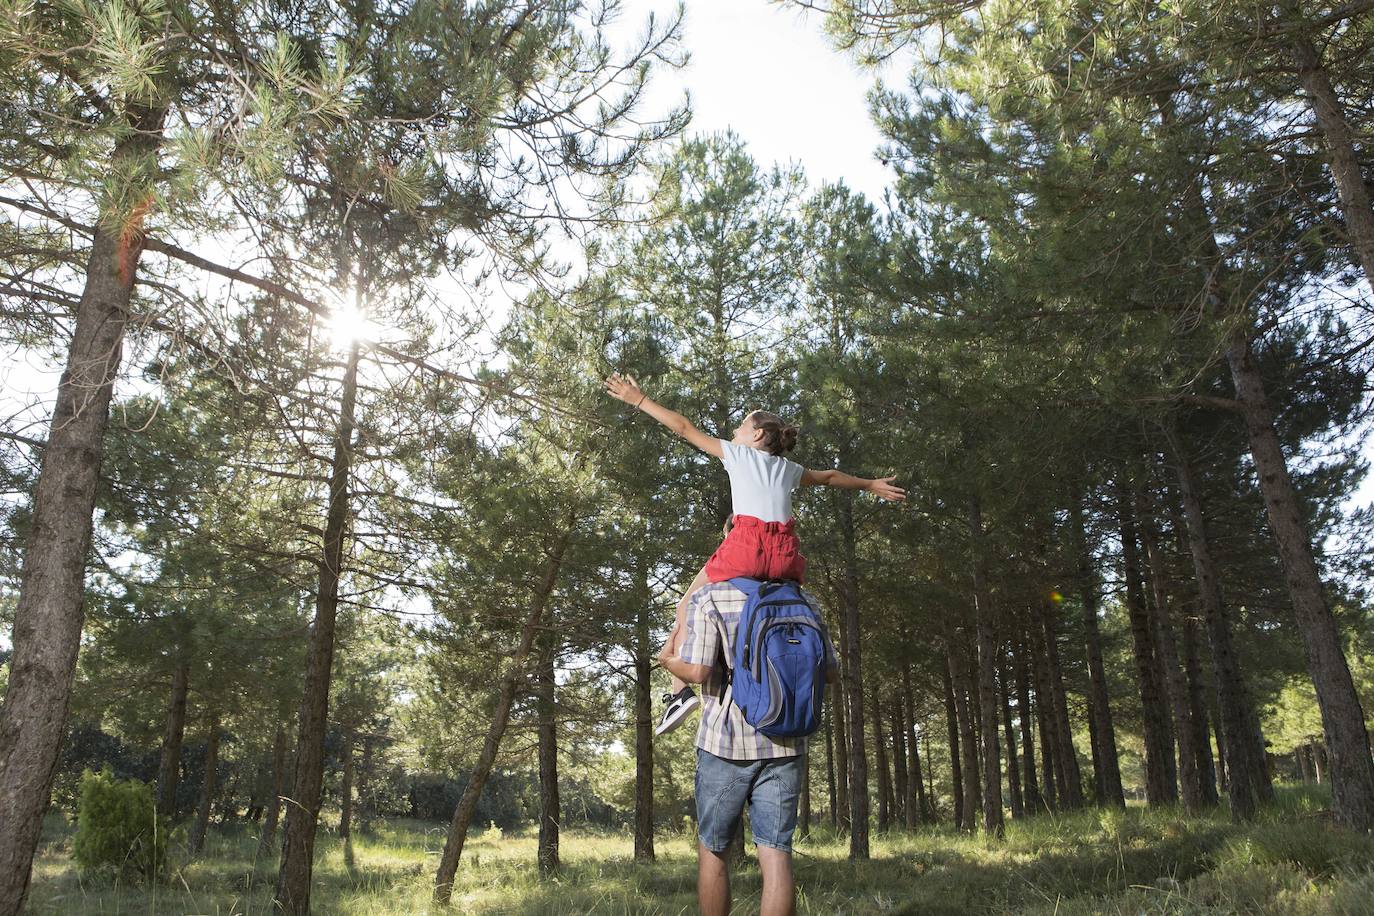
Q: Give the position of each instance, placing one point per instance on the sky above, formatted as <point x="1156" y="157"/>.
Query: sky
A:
<point x="769" y="73"/>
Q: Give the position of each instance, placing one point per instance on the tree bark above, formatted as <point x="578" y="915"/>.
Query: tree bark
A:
<point x="901" y="782"/>
<point x="804" y="803"/>
<point x="1347" y="740"/>
<point x="550" y="809"/>
<point x="1018" y="810"/>
<point x="1159" y="788"/>
<point x="1071" y="785"/>
<point x="840" y="728"/>
<point x="1175" y="682"/>
<point x="169" y="767"/>
<point x="303" y="814"/>
<point x="644" y="732"/>
<point x="346" y="801"/>
<point x="989" y="650"/>
<point x="885" y="795"/>
<point x="267" y="840"/>
<point x="1030" y="785"/>
<point x="852" y="677"/>
<point x="207" y="788"/>
<point x="919" y="810"/>
<point x="365" y="800"/>
<point x="968" y="741"/>
<point x="1346" y="173"/>
<point x="1244" y="772"/>
<point x="955" y="768"/>
<point x="49" y="614"/>
<point x="830" y="766"/>
<point x="509" y="681"/>
<point x="1107" y="766"/>
<point x="1051" y="771"/>
<point x="1197" y="705"/>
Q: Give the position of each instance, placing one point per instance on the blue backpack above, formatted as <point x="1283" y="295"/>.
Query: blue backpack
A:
<point x="778" y="659"/>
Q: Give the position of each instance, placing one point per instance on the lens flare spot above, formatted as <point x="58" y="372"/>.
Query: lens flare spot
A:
<point x="1056" y="598"/>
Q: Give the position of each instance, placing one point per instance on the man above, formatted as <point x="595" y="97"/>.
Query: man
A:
<point x="735" y="764"/>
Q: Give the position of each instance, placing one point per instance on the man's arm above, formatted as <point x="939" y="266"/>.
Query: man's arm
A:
<point x="692" y="674"/>
<point x="881" y="487"/>
<point x="700" y="647"/>
<point x="626" y="389"/>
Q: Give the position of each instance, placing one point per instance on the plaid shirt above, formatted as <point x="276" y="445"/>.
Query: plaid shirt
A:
<point x="712" y="618"/>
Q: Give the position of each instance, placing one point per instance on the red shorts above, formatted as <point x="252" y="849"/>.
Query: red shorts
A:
<point x="758" y="550"/>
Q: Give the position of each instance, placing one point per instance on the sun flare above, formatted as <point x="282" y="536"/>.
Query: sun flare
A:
<point x="350" y="323"/>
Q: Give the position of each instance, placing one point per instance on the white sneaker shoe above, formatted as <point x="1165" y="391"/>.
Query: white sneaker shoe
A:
<point x="678" y="707"/>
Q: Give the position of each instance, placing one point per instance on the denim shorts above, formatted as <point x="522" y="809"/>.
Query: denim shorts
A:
<point x="770" y="787"/>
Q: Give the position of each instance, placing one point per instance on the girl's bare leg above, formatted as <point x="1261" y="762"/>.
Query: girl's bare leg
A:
<point x="679" y="626"/>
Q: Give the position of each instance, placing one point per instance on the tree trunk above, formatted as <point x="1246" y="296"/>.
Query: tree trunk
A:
<point x="1189" y="777"/>
<point x="644" y="732"/>
<point x="303" y="814"/>
<point x="1018" y="810"/>
<point x="830" y="766"/>
<point x="1071" y="786"/>
<point x="1030" y="786"/>
<point x="1107" y="766"/>
<point x="918" y="806"/>
<point x="48" y="616"/>
<point x="840" y="728"/>
<point x="550" y="810"/>
<point x="1159" y="788"/>
<point x="346" y="801"/>
<point x="169" y="768"/>
<point x="804" y="803"/>
<point x="365" y="800"/>
<point x="955" y="769"/>
<point x="1347" y="740"/>
<point x="1340" y="144"/>
<point x="1050" y="765"/>
<point x="901" y="782"/>
<point x="509" y="681"/>
<point x="267" y="840"/>
<point x="989" y="650"/>
<point x="1242" y="754"/>
<point x="885" y="797"/>
<point x="1197" y="705"/>
<point x="852" y="662"/>
<point x="968" y="741"/>
<point x="207" y="788"/>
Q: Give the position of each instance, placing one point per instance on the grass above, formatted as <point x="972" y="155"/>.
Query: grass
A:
<point x="1292" y="861"/>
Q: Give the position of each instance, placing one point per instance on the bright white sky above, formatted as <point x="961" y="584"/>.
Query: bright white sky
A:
<point x="768" y="72"/>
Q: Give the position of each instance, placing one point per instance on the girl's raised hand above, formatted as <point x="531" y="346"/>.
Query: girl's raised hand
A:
<point x="885" y="490"/>
<point x="624" y="388"/>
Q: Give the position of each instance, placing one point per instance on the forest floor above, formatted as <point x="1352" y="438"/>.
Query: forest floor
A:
<point x="1133" y="862"/>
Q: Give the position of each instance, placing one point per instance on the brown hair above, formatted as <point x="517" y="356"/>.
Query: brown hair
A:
<point x="779" y="438"/>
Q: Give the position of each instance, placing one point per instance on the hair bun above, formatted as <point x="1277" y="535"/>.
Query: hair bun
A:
<point x="788" y="439"/>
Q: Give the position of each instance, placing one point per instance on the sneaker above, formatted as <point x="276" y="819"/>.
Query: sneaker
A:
<point x="679" y="706"/>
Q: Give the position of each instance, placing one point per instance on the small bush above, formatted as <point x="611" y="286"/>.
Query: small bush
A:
<point x="117" y="828"/>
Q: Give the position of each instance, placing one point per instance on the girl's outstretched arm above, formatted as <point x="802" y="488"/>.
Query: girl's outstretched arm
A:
<point x="626" y="389"/>
<point x="881" y="487"/>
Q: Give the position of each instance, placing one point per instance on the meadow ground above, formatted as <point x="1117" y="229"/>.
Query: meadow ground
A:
<point x="1133" y="862"/>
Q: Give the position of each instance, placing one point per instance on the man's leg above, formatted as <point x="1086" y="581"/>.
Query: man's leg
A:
<point x="679" y="626"/>
<point x="713" y="882"/>
<point x="773" y="818"/>
<point x="779" y="890"/>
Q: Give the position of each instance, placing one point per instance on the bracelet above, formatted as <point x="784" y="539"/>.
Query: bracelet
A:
<point x="641" y="400"/>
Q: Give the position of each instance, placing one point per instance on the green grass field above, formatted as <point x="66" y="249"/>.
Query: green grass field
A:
<point x="1133" y="862"/>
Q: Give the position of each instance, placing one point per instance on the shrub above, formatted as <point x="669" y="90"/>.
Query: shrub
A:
<point x="117" y="828"/>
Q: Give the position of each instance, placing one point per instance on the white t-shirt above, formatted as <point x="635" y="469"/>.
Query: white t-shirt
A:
<point x="761" y="484"/>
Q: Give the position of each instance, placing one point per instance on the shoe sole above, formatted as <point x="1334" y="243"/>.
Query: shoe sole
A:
<point x="674" y="720"/>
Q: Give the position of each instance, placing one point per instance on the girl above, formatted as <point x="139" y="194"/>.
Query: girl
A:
<point x="762" y="541"/>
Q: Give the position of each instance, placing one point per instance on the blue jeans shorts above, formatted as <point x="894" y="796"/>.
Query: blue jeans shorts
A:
<point x="770" y="787"/>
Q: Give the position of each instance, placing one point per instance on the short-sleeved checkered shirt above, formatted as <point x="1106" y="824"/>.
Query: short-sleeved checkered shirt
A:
<point x="712" y="618"/>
